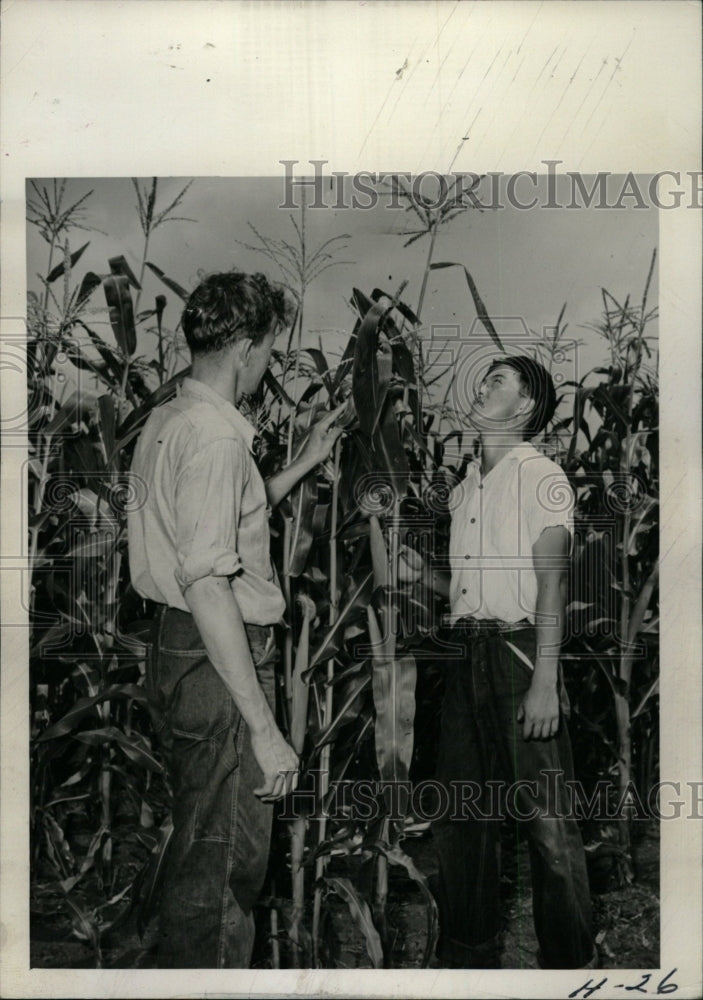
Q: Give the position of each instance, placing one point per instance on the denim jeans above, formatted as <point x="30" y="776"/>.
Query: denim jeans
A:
<point x="482" y="741"/>
<point x="219" y="850"/>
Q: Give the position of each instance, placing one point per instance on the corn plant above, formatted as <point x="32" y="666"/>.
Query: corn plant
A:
<point x="430" y="216"/>
<point x="94" y="769"/>
<point x="354" y="673"/>
<point x="610" y="452"/>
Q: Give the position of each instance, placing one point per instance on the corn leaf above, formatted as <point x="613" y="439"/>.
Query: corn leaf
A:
<point x="360" y="914"/>
<point x="97" y="544"/>
<point x="57" y="271"/>
<point x="404" y="366"/>
<point x="119" y="300"/>
<point x="132" y="746"/>
<point x="370" y="382"/>
<point x="85" y="925"/>
<point x="481" y="311"/>
<point x="90" y="282"/>
<point x="119" y="266"/>
<point x="394" y="699"/>
<point x="113" y="364"/>
<point x="366" y="389"/>
<point x="347" y="359"/>
<point x="80" y="361"/>
<point x="136" y="418"/>
<point x="379" y="553"/>
<point x="106" y="407"/>
<point x="404" y="310"/>
<point x="303" y="501"/>
<point x="147" y="889"/>
<point x="272" y="383"/>
<point x="84" y="707"/>
<point x="169" y="282"/>
<point x="389" y="452"/>
<point x="52" y="639"/>
<point x="330" y="644"/>
<point x="394" y="682"/>
<point x="354" y="689"/>
<point x="72" y="411"/>
<point x="322" y="368"/>
<point x="397" y="856"/>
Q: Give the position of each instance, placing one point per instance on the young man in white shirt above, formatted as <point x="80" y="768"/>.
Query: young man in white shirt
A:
<point x="199" y="549"/>
<point x="503" y="711"/>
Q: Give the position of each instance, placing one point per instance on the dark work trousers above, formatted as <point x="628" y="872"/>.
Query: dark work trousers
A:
<point x="219" y="851"/>
<point x="481" y="741"/>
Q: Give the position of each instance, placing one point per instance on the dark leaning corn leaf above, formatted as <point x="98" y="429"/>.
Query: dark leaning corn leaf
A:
<point x="119" y="265"/>
<point x="169" y="282"/>
<point x="137" y="417"/>
<point x="366" y="389"/>
<point x="90" y="282"/>
<point x="119" y="300"/>
<point x="57" y="271"/>
<point x="478" y="301"/>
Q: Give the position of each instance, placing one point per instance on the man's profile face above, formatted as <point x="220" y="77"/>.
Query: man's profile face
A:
<point x="499" y="401"/>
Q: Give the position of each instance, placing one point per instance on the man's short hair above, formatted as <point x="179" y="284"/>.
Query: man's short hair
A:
<point x="229" y="306"/>
<point x="537" y="384"/>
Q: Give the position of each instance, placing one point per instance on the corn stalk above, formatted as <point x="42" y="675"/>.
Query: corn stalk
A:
<point x="321" y="861"/>
<point x="298" y="726"/>
<point x="631" y="615"/>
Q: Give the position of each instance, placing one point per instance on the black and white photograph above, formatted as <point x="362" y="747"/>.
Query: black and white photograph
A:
<point x="351" y="608"/>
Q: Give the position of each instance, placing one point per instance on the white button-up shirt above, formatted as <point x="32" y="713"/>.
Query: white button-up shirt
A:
<point x="205" y="509"/>
<point x="495" y="522"/>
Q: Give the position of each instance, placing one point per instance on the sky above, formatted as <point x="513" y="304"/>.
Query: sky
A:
<point x="526" y="263"/>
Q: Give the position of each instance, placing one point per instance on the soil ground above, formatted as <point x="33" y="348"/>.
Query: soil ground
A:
<point x="627" y="919"/>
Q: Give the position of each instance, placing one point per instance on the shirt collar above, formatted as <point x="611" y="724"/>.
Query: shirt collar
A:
<point x="193" y="387"/>
<point x="520" y="451"/>
<point x="515" y="454"/>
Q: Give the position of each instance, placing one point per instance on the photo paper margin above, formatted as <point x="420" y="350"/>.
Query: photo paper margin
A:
<point x="196" y="88"/>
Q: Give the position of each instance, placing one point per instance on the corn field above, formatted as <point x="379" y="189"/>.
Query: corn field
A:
<point x="359" y="687"/>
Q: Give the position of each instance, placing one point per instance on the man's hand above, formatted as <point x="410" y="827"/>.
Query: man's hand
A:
<point x="539" y="711"/>
<point x="318" y="445"/>
<point x="322" y="438"/>
<point x="410" y="565"/>
<point x="278" y="762"/>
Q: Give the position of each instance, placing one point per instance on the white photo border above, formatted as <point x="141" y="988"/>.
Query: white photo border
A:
<point x="202" y="88"/>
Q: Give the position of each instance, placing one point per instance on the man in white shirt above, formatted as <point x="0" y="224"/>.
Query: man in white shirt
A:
<point x="503" y="711"/>
<point x="199" y="548"/>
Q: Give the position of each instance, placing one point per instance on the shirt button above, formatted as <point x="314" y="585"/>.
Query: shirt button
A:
<point x="467" y="556"/>
<point x="473" y="520"/>
<point x="464" y="590"/>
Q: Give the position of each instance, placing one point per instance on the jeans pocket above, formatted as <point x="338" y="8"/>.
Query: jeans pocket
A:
<point x="521" y="647"/>
<point x="199" y="706"/>
<point x="203" y="772"/>
<point x="213" y="810"/>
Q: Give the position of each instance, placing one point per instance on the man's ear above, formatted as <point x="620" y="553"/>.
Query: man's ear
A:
<point x="527" y="406"/>
<point x="243" y="348"/>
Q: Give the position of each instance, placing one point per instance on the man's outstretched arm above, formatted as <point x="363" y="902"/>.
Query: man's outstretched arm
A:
<point x="321" y="441"/>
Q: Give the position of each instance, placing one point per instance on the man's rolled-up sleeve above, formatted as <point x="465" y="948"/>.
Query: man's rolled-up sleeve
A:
<point x="552" y="500"/>
<point x="207" y="505"/>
